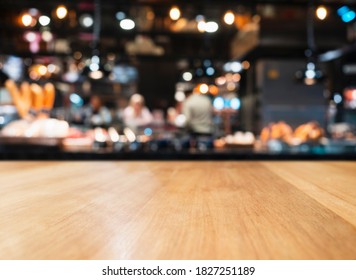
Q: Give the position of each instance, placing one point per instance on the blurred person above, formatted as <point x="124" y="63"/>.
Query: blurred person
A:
<point x="198" y="112"/>
<point x="96" y="114"/>
<point x="136" y="114"/>
<point x="175" y="115"/>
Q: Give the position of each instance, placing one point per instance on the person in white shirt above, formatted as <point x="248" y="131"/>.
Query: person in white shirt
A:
<point x="136" y="114"/>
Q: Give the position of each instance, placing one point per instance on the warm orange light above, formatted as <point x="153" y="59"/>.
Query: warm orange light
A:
<point x="204" y="88"/>
<point x="321" y="12"/>
<point x="61" y="12"/>
<point x="220" y="81"/>
<point x="33" y="75"/>
<point x="213" y="90"/>
<point x="245" y="64"/>
<point x="231" y="86"/>
<point x="77" y="55"/>
<point x="27" y="20"/>
<point x="42" y="70"/>
<point x="236" y="77"/>
<point x="150" y="15"/>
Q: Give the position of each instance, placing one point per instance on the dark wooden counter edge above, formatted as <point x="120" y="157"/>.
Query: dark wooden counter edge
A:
<point x="183" y="155"/>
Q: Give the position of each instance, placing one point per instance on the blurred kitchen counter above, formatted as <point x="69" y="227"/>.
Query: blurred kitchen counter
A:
<point x="55" y="153"/>
<point x="177" y="210"/>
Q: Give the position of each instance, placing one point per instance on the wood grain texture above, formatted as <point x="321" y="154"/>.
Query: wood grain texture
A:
<point x="177" y="210"/>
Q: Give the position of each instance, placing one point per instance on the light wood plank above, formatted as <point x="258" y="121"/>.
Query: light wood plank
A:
<point x="333" y="184"/>
<point x="177" y="210"/>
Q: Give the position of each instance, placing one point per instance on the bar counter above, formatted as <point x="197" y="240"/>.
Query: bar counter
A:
<point x="177" y="210"/>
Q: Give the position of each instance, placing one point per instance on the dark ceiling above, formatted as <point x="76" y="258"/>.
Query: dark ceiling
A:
<point x="285" y="29"/>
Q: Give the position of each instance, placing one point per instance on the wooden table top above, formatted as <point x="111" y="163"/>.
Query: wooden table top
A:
<point x="178" y="210"/>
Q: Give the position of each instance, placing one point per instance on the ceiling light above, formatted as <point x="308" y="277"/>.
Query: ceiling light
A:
<point x="86" y="20"/>
<point x="211" y="27"/>
<point x="61" y="12"/>
<point x="204" y="88"/>
<point x="229" y="18"/>
<point x="44" y="20"/>
<point x="127" y="24"/>
<point x="309" y="82"/>
<point x="321" y="12"/>
<point x="236" y="66"/>
<point x="26" y="20"/>
<point x="120" y="15"/>
<point x="187" y="76"/>
<point x="310" y="75"/>
<point x="201" y="26"/>
<point x="174" y="13"/>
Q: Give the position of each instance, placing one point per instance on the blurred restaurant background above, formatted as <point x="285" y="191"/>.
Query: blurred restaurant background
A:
<point x="280" y="78"/>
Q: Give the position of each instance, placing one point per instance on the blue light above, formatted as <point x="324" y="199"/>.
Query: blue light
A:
<point x="120" y="15"/>
<point x="349" y="16"/>
<point x="76" y="99"/>
<point x="218" y="103"/>
<point x="207" y="63"/>
<point x="148" y="131"/>
<point x="235" y="103"/>
<point x="343" y="10"/>
<point x="227" y="103"/>
<point x="337" y="98"/>
<point x="210" y="71"/>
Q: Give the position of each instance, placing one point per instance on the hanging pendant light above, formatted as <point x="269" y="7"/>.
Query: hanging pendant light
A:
<point x="310" y="75"/>
<point x="95" y="69"/>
